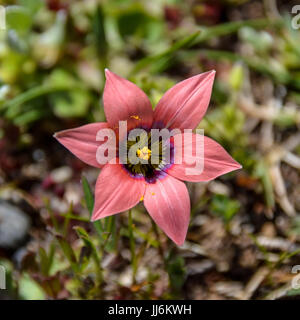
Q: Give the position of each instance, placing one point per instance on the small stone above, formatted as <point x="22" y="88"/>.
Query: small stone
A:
<point x="14" y="225"/>
<point x="62" y="174"/>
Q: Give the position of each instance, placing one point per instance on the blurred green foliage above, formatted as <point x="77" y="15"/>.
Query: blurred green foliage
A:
<point x="224" y="207"/>
<point x="52" y="60"/>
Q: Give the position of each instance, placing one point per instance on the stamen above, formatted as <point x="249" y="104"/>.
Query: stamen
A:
<point x="135" y="117"/>
<point x="144" y="153"/>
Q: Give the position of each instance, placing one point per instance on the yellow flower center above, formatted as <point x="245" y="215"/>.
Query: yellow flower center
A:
<point x="144" y="153"/>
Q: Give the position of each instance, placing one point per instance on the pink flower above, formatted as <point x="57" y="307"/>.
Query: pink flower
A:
<point x="120" y="187"/>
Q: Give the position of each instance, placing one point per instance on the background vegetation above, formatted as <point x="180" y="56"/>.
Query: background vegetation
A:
<point x="244" y="234"/>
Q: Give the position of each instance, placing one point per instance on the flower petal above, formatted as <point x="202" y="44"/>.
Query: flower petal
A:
<point x="216" y="160"/>
<point x="116" y="191"/>
<point x="184" y="105"/>
<point x="82" y="141"/>
<point x="123" y="100"/>
<point x="168" y="203"/>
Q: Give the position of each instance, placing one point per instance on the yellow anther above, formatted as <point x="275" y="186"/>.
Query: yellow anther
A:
<point x="152" y="193"/>
<point x="144" y="153"/>
<point x="135" y="117"/>
<point x="142" y="198"/>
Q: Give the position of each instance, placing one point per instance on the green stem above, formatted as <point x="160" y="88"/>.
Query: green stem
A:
<point x="160" y="248"/>
<point x="132" y="247"/>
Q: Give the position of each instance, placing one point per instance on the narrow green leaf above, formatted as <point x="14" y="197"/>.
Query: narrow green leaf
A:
<point x="234" y="26"/>
<point x="89" y="199"/>
<point x="44" y="263"/>
<point x="99" y="31"/>
<point x="82" y="234"/>
<point x="34" y="93"/>
<point x="68" y="252"/>
<point x="205" y="34"/>
<point x="88" y="195"/>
